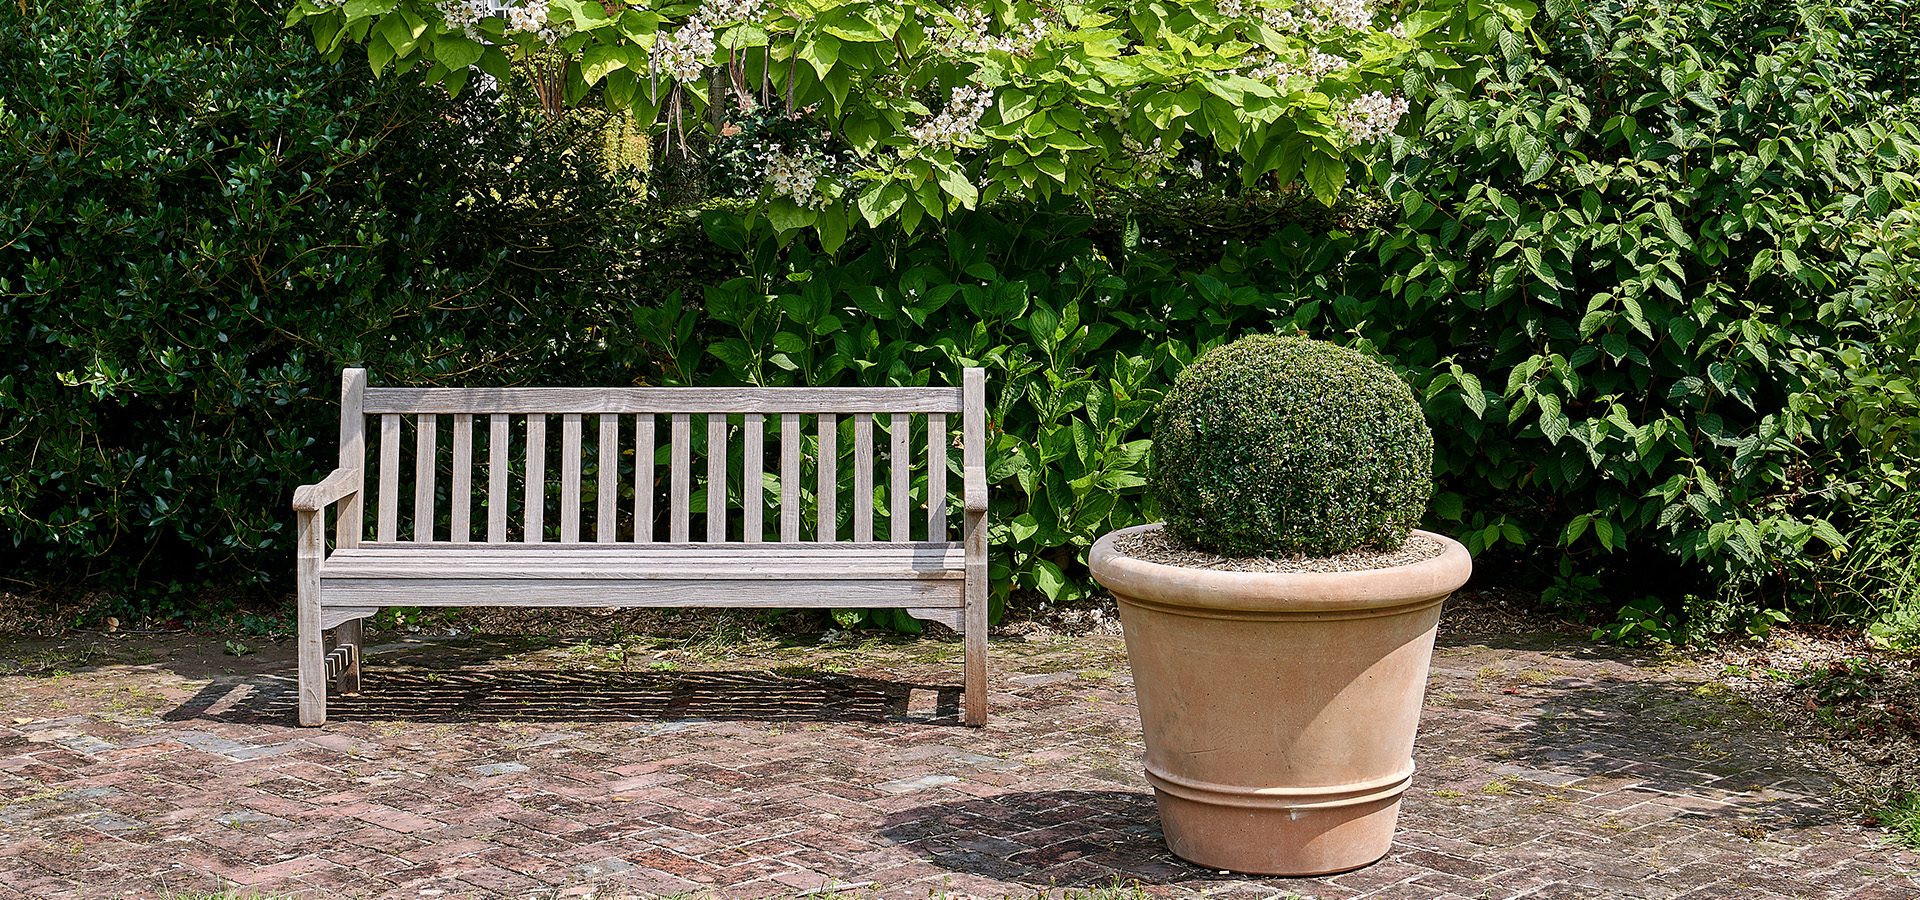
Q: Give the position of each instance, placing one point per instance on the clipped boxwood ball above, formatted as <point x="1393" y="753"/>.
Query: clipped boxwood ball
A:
<point x="1283" y="445"/>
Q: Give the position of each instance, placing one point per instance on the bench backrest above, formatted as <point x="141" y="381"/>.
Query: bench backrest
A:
<point x="655" y="464"/>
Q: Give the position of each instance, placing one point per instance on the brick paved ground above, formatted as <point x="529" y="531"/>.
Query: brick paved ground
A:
<point x="135" y="767"/>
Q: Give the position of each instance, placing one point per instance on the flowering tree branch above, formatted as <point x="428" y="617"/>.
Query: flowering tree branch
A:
<point x="942" y="107"/>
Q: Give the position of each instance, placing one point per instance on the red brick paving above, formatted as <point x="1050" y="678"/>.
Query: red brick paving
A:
<point x="477" y="768"/>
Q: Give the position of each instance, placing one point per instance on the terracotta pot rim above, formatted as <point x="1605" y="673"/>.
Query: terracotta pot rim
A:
<point x="1417" y="583"/>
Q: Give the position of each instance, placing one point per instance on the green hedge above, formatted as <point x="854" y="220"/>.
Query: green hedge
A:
<point x="201" y="222"/>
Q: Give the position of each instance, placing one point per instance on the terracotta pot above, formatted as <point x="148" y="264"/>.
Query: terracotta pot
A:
<point x="1279" y="708"/>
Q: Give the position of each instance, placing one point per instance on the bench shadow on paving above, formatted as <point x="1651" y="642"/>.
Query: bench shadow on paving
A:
<point x="442" y="694"/>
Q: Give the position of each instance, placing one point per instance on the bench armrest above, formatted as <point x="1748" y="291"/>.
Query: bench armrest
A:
<point x="339" y="485"/>
<point x="976" y="497"/>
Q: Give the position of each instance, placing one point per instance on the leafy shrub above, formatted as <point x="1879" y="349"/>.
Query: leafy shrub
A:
<point x="1288" y="446"/>
<point x="1870" y="386"/>
<point x="202" y="222"/>
<point x="1614" y="242"/>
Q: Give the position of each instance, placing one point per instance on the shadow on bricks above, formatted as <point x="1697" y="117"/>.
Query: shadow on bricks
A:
<point x="457" y="696"/>
<point x="1617" y="737"/>
<point x="1056" y="839"/>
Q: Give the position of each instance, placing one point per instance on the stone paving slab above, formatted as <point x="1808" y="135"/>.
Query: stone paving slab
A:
<point x="479" y="768"/>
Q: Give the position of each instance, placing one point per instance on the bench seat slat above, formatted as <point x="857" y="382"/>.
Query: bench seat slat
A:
<point x="594" y="592"/>
<point x="414" y="401"/>
<point x="630" y="570"/>
<point x="739" y="555"/>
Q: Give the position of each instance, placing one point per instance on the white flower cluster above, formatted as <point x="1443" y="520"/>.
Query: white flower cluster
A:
<point x="686" y="52"/>
<point x="1372" y="117"/>
<point x="971" y="34"/>
<point x="1308" y="17"/>
<point x="466" y="15"/>
<point x="801" y="175"/>
<point x="963" y="112"/>
<point x="1269" y="68"/>
<point x="530" y="17"/>
<point x="689" y="49"/>
<point x="722" y="12"/>
<point x="1319" y="64"/>
<point x="1316" y="16"/>
<point x="1147" y="156"/>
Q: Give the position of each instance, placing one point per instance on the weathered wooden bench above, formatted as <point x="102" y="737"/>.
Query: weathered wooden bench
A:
<point x="759" y="547"/>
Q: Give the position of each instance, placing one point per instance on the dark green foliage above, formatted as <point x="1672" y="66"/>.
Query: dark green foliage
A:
<point x="1285" y="446"/>
<point x="1611" y="265"/>
<point x="200" y="223"/>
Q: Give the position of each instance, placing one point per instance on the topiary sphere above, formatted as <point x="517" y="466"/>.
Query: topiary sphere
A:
<point x="1281" y="446"/>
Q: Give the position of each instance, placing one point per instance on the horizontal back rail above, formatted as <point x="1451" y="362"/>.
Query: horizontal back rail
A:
<point x="560" y="401"/>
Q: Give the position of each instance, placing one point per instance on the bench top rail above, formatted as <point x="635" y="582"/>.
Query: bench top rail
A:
<point x="417" y="401"/>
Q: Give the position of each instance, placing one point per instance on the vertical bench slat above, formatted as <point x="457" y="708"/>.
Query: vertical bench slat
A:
<point x="899" y="466"/>
<point x="534" y="515"/>
<point x="351" y="524"/>
<point x="828" y="483"/>
<point x="608" y="478"/>
<point x="863" y="476"/>
<point x="389" y="477"/>
<point x="936" y="476"/>
<point x="497" y="478"/>
<point x="643" y="478"/>
<point x="682" y="473"/>
<point x="753" y="441"/>
<point x="462" y="497"/>
<point x="570" y="478"/>
<point x="789" y="477"/>
<point x="716" y="478"/>
<point x="426" y="446"/>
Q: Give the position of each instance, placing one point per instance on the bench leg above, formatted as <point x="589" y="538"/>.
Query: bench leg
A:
<point x="312" y="646"/>
<point x="974" y="708"/>
<point x="347" y="637"/>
